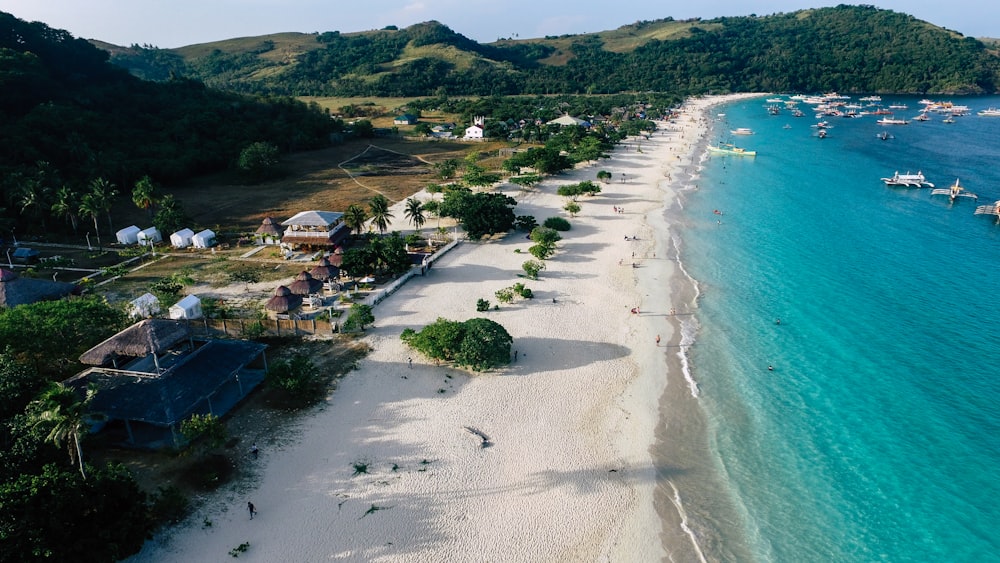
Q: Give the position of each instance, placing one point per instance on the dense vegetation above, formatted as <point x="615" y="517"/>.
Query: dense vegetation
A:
<point x="479" y="344"/>
<point x="70" y="118"/>
<point x="846" y="48"/>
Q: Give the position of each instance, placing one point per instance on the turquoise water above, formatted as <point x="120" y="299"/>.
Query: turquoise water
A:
<point x="877" y="435"/>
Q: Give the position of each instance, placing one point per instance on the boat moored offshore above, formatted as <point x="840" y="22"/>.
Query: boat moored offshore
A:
<point x="908" y="180"/>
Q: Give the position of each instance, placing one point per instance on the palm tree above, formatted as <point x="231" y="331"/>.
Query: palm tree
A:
<point x="34" y="199"/>
<point x="61" y="411"/>
<point x="67" y="205"/>
<point x="415" y="212"/>
<point x="355" y="217"/>
<point x="90" y="207"/>
<point x="144" y="195"/>
<point x="379" y="208"/>
<point x="104" y="194"/>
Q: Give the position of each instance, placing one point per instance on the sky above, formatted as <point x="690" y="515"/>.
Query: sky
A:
<point x="176" y="23"/>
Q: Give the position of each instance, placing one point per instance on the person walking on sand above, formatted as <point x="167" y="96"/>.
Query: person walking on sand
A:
<point x="657" y="339"/>
<point x="252" y="509"/>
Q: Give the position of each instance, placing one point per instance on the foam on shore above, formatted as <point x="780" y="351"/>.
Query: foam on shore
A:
<point x="588" y="426"/>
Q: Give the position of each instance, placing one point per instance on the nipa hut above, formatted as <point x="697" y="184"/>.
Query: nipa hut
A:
<point x="269" y="232"/>
<point x="325" y="271"/>
<point x="305" y="284"/>
<point x="283" y="301"/>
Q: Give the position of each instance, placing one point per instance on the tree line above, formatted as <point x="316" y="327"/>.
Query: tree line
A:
<point x="845" y="48"/>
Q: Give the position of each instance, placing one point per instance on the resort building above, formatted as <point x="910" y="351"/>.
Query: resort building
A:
<point x="320" y="229"/>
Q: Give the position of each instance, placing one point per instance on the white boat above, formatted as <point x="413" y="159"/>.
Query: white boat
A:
<point x="990" y="112"/>
<point x="948" y="119"/>
<point x="908" y="180"/>
<point x="891" y="121"/>
<point x="742" y="131"/>
<point x="922" y="117"/>
<point x="884" y="135"/>
<point x="899" y="106"/>
<point x="871" y="99"/>
<point x="954" y="191"/>
<point x="992" y="209"/>
<point x="775" y="100"/>
<point x="821" y="134"/>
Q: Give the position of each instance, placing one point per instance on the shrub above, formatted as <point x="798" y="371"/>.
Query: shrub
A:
<point x="557" y="224"/>
<point x="572" y="208"/>
<point x="525" y="222"/>
<point x="482" y="305"/>
<point x="296" y="376"/>
<point x="505" y="295"/>
<point x="531" y="268"/>
<point x="542" y="251"/>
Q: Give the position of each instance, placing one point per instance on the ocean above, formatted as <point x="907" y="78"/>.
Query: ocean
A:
<point x="876" y="435"/>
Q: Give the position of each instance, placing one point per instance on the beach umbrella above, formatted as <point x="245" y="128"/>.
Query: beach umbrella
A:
<point x="305" y="284"/>
<point x="283" y="300"/>
<point x="325" y="271"/>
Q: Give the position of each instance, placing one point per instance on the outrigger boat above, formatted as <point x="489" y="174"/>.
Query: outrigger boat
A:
<point x="908" y="180"/>
<point x="991" y="209"/>
<point x="954" y="191"/>
<point x="742" y="131"/>
<point x="729" y="148"/>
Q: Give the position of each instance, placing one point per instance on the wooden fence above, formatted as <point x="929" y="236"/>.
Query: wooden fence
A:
<point x="238" y="328"/>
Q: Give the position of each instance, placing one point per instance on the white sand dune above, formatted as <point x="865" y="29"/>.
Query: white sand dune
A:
<point x="568" y="476"/>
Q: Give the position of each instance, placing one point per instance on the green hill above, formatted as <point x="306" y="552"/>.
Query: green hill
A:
<point x="847" y="48"/>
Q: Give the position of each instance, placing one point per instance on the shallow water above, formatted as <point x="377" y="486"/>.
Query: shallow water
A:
<point x="877" y="434"/>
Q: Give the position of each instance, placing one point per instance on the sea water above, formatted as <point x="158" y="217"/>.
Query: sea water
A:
<point x="876" y="435"/>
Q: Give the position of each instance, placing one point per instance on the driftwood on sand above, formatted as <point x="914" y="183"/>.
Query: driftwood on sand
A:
<point x="482" y="436"/>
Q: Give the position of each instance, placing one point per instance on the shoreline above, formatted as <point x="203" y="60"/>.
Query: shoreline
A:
<point x="578" y="422"/>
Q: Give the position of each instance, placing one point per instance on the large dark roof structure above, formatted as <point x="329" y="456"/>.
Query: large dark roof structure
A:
<point x="17" y="290"/>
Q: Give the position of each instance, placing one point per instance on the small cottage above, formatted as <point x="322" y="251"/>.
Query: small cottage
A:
<point x="187" y="308"/>
<point x="144" y="306"/>
<point x="405" y="119"/>
<point x="269" y="232"/>
<point x="203" y="239"/>
<point x="128" y="235"/>
<point x="283" y="302"/>
<point x="182" y="238"/>
<point x="150" y="235"/>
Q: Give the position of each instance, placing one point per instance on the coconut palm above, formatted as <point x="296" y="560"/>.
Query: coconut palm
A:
<point x="67" y="205"/>
<point x="379" y="208"/>
<point x="355" y="217"/>
<point x="104" y="194"/>
<point x="415" y="212"/>
<point x="64" y="415"/>
<point x="144" y="195"/>
<point x="34" y="199"/>
<point x="90" y="207"/>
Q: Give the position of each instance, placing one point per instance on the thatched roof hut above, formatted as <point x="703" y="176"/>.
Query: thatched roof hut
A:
<point x="325" y="271"/>
<point x="151" y="336"/>
<point x="283" y="301"/>
<point x="16" y="290"/>
<point x="305" y="284"/>
<point x="269" y="227"/>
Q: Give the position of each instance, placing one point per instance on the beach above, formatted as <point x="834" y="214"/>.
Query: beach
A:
<point x="392" y="466"/>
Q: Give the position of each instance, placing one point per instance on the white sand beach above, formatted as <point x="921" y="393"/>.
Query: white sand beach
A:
<point x="569" y="475"/>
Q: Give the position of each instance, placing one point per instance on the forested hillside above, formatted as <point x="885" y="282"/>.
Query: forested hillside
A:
<point x="846" y="48"/>
<point x="70" y="117"/>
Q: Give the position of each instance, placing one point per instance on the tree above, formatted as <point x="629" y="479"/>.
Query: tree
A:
<point x="572" y="208"/>
<point x="90" y="207"/>
<point x="485" y="345"/>
<point x="359" y="316"/>
<point x="545" y="235"/>
<point x="64" y="415"/>
<point x="604" y="176"/>
<point x="57" y="515"/>
<point x="422" y="129"/>
<point x="170" y="216"/>
<point x="355" y="217"/>
<point x="67" y="205"/>
<point x="103" y="195"/>
<point x="259" y="160"/>
<point x="479" y="344"/>
<point x="144" y="195"/>
<point x="415" y="212"/>
<point x="480" y="213"/>
<point x="447" y="169"/>
<point x="19" y="384"/>
<point x="378" y="206"/>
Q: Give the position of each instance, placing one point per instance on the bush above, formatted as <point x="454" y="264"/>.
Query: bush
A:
<point x="482" y="305"/>
<point x="169" y="506"/>
<point x="525" y="223"/>
<point x="296" y="376"/>
<point x="531" y="268"/>
<point x="542" y="251"/>
<point x="557" y="224"/>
